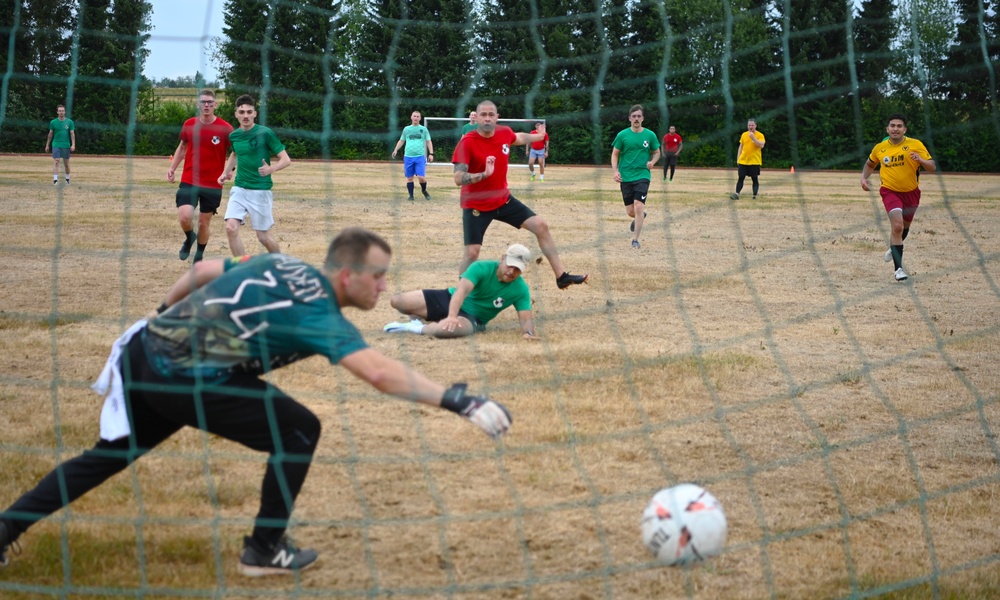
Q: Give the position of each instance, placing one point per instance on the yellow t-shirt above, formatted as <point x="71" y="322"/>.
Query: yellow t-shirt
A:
<point x="898" y="170"/>
<point x="749" y="152"/>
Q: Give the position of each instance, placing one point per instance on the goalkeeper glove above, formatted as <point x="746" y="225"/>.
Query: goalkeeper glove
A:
<point x="492" y="417"/>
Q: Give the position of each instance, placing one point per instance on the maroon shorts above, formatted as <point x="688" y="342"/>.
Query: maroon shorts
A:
<point x="906" y="201"/>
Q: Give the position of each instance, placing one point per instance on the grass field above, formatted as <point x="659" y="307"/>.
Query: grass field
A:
<point x="846" y="422"/>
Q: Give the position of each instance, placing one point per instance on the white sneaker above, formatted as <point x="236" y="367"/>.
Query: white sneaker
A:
<point x="888" y="255"/>
<point x="901" y="274"/>
<point x="414" y="326"/>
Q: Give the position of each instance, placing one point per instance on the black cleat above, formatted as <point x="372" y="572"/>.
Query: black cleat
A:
<point x="565" y="280"/>
<point x="426" y="195"/>
<point x="283" y="559"/>
<point x="185" y="251"/>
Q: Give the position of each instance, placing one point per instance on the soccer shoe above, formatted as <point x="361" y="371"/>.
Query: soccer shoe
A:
<point x="6" y="544"/>
<point x="754" y="197"/>
<point x="635" y="244"/>
<point x="410" y="198"/>
<point x="284" y="558"/>
<point x="426" y="195"/>
<point x="734" y="196"/>
<point x="185" y="251"/>
<point x="532" y="176"/>
<point x="414" y="326"/>
<point x="565" y="280"/>
<point x="198" y="257"/>
<point x="632" y="226"/>
<point x="55" y="182"/>
<point x="888" y="255"/>
<point x="900" y="274"/>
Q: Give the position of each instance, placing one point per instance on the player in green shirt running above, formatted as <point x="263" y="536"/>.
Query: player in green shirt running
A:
<point x="62" y="138"/>
<point x="253" y="147"/>
<point x="201" y="360"/>
<point x="486" y="288"/>
<point x="635" y="152"/>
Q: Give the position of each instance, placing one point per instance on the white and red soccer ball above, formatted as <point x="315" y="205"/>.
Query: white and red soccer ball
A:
<point x="684" y="524"/>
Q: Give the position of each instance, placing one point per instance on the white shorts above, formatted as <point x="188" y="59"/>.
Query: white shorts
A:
<point x="256" y="203"/>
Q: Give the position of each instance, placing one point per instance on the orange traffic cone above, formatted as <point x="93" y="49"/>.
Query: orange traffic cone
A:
<point x="793" y="170"/>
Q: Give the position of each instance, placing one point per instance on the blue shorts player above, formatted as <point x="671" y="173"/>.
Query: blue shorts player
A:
<point x="418" y="149"/>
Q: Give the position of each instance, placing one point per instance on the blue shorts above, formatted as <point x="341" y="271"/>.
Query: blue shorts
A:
<point x="58" y="153"/>
<point x="414" y="165"/>
<point x="537" y="153"/>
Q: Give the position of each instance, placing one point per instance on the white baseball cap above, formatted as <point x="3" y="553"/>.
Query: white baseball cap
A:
<point x="518" y="256"/>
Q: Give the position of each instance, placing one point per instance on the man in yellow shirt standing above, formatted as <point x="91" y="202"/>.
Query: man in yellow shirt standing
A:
<point x="748" y="159"/>
<point x="899" y="158"/>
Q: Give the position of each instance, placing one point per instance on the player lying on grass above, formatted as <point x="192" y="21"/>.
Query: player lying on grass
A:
<point x="198" y="362"/>
<point x="485" y="289"/>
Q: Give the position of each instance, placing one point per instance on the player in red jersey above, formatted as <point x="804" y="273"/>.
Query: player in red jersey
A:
<point x="480" y="160"/>
<point x="203" y="147"/>
<point x="672" y="145"/>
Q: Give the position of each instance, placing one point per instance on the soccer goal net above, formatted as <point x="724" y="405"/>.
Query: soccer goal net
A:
<point x="748" y="334"/>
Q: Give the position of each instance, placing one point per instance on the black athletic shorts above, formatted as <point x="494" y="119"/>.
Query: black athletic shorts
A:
<point x="475" y="223"/>
<point x="437" y="308"/>
<point x="210" y="198"/>
<point x="748" y="170"/>
<point x="670" y="159"/>
<point x="635" y="190"/>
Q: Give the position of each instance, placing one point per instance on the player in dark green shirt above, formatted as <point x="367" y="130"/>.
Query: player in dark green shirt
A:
<point x="486" y="288"/>
<point x="635" y="151"/>
<point x="197" y="362"/>
<point x="62" y="138"/>
<point x="250" y="196"/>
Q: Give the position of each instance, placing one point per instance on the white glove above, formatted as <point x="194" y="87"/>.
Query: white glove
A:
<point x="491" y="416"/>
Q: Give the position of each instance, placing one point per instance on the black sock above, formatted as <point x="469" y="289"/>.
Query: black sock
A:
<point x="897" y="256"/>
<point x="423" y="187"/>
<point x="409" y="188"/>
<point x="906" y="231"/>
<point x="201" y="248"/>
<point x="189" y="237"/>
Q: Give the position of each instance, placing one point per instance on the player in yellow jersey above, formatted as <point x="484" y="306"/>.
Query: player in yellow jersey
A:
<point x="749" y="159"/>
<point x="899" y="159"/>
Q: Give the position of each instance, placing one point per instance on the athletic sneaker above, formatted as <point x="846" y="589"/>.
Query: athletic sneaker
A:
<point x="565" y="280"/>
<point x="532" y="176"/>
<point x="198" y="257"/>
<point x="635" y="244"/>
<point x="55" y="182"/>
<point x="901" y="274"/>
<point x="185" y="250"/>
<point x="284" y="558"/>
<point x="888" y="255"/>
<point x="411" y="198"/>
<point x="426" y="195"/>
<point x="632" y="226"/>
<point x="414" y="326"/>
<point x="6" y="544"/>
<point x="754" y="197"/>
<point x="734" y="196"/>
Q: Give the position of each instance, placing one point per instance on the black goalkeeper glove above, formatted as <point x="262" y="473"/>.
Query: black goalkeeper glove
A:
<point x="492" y="417"/>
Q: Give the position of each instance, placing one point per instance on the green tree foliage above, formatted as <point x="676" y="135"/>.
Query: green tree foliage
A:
<point x="112" y="54"/>
<point x="872" y="47"/>
<point x="926" y="30"/>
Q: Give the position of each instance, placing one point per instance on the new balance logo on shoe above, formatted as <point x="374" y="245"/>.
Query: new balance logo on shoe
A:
<point x="283" y="558"/>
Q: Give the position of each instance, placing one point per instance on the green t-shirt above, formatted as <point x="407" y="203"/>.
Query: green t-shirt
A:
<point x="469" y="127"/>
<point x="489" y="295"/>
<point x="634" y="149"/>
<point x="262" y="313"/>
<point x="416" y="137"/>
<point x="60" y="132"/>
<point x="252" y="147"/>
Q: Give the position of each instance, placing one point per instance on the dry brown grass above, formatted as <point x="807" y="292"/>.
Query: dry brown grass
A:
<point x="846" y="422"/>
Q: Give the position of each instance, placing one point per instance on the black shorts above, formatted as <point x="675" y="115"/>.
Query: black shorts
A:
<point x="748" y="170"/>
<point x="670" y="159"/>
<point x="475" y="223"/>
<point x="210" y="198"/>
<point x="437" y="308"/>
<point x="635" y="190"/>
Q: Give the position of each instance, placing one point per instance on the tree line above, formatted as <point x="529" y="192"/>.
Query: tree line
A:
<point x="339" y="78"/>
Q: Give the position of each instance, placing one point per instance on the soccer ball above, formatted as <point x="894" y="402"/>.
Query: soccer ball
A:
<point x="684" y="524"/>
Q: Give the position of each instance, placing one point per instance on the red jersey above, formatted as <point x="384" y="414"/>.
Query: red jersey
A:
<point x="207" y="149"/>
<point x="490" y="193"/>
<point x="671" y="142"/>
<point x="539" y="145"/>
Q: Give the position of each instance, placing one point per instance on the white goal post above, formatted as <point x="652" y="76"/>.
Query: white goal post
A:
<point x="464" y="120"/>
